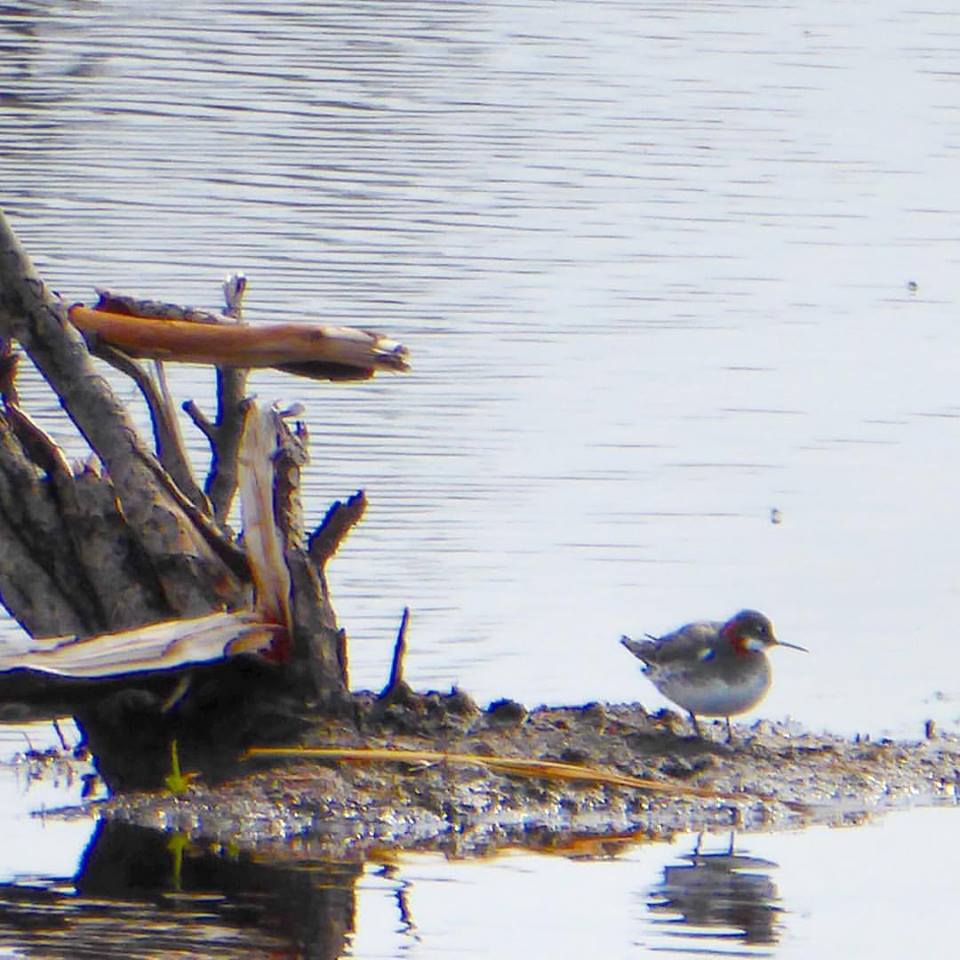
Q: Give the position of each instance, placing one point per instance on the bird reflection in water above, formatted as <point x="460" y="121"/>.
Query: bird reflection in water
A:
<point x="722" y="895"/>
<point x="406" y="927"/>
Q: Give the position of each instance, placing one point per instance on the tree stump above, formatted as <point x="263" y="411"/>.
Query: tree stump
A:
<point x="128" y="539"/>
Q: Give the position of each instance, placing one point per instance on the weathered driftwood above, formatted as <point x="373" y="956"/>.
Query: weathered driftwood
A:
<point x="167" y="645"/>
<point x="328" y="353"/>
<point x="128" y="539"/>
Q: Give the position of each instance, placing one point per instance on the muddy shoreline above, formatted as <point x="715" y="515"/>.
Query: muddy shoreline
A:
<point x="774" y="776"/>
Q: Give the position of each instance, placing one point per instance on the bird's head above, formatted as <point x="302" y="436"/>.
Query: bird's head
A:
<point x="749" y="631"/>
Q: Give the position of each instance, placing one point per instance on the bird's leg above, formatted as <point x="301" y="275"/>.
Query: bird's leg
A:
<point x="696" y="849"/>
<point x="729" y="731"/>
<point x="696" y="726"/>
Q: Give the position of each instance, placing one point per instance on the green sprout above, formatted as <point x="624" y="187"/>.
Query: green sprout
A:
<point x="178" y="783"/>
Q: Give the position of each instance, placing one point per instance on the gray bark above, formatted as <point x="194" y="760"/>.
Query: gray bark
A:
<point x="192" y="577"/>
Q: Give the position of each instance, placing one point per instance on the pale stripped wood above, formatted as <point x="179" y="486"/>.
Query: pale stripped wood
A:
<point x="158" y="646"/>
<point x="241" y="345"/>
<point x="262" y="538"/>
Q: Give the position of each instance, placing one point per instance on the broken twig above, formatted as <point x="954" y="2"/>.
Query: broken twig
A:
<point x="308" y="349"/>
<point x="341" y="518"/>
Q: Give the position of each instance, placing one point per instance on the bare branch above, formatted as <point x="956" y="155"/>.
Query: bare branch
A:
<point x="308" y="349"/>
<point x="170" y="450"/>
<point x="199" y="419"/>
<point x="221" y="485"/>
<point x="341" y="518"/>
<point x="224" y="435"/>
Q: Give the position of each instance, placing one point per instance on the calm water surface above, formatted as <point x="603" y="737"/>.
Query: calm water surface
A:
<point x="662" y="267"/>
<point x="880" y="890"/>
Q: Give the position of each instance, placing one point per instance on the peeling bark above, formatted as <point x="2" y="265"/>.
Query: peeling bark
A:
<point x="67" y="561"/>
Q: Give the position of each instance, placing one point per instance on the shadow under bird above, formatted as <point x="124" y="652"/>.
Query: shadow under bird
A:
<point x="712" y="668"/>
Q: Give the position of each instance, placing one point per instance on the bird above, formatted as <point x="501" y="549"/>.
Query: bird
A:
<point x="712" y="668"/>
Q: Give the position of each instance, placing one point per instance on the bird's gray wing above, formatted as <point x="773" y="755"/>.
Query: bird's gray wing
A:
<point x="689" y="643"/>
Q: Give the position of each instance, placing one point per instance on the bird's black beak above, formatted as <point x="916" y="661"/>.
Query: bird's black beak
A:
<point x="792" y="646"/>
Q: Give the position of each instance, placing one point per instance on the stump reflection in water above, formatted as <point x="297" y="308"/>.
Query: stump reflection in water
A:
<point x="143" y="893"/>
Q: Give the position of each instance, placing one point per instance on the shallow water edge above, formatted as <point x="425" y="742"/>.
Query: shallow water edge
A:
<point x="773" y="776"/>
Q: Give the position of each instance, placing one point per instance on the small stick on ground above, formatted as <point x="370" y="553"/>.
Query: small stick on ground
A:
<point x="396" y="682"/>
<point x="518" y="766"/>
<point x="63" y="740"/>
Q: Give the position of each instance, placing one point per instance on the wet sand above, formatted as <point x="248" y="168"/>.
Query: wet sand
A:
<point x="773" y="776"/>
